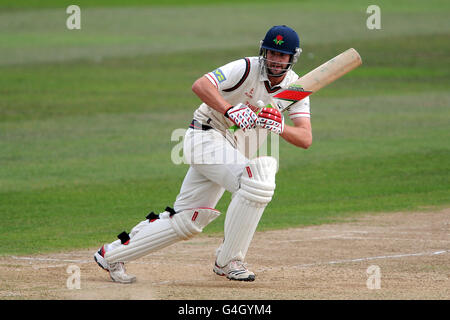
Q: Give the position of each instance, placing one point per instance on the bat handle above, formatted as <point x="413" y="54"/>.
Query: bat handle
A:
<point x="273" y="103"/>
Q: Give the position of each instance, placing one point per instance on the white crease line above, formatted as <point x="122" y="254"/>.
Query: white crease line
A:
<point x="347" y="236"/>
<point x="383" y="238"/>
<point x="371" y="230"/>
<point x="339" y="236"/>
<point x="31" y="259"/>
<point x="50" y="259"/>
<point x="179" y="281"/>
<point x="391" y="256"/>
<point x="37" y="267"/>
<point x="263" y="269"/>
<point x="358" y="260"/>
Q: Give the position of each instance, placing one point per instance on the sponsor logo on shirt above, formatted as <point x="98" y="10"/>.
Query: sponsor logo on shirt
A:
<point x="219" y="75"/>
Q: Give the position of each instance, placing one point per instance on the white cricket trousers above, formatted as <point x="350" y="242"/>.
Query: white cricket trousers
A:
<point x="215" y="166"/>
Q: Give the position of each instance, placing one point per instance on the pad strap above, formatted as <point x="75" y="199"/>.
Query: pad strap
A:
<point x="168" y="228"/>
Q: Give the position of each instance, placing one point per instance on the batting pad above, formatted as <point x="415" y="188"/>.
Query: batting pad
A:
<point x="246" y="209"/>
<point x="162" y="232"/>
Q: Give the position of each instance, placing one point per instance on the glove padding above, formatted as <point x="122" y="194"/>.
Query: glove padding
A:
<point x="242" y="116"/>
<point x="271" y="119"/>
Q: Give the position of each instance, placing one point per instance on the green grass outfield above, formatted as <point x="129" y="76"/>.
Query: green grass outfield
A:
<point x="86" y="116"/>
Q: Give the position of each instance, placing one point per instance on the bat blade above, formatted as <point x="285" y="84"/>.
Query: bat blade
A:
<point x="321" y="76"/>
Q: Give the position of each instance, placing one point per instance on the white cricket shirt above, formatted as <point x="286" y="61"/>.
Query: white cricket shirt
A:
<point x="242" y="81"/>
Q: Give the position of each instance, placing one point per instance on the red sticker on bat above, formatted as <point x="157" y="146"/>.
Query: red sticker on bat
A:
<point x="292" y="94"/>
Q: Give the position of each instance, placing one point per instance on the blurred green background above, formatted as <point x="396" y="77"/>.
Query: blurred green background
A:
<point x="86" y="116"/>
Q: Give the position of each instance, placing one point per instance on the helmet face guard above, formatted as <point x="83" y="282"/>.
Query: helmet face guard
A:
<point x="280" y="39"/>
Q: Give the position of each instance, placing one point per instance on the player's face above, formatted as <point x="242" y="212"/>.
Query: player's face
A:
<point x="277" y="62"/>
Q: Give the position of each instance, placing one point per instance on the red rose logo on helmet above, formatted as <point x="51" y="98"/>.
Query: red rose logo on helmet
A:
<point x="278" y="40"/>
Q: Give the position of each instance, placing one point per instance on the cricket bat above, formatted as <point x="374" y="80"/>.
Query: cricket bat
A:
<point x="315" y="80"/>
<point x="318" y="78"/>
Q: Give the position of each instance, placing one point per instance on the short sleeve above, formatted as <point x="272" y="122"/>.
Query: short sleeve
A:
<point x="228" y="75"/>
<point x="300" y="109"/>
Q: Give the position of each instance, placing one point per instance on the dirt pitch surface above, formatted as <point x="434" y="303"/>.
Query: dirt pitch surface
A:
<point x="409" y="254"/>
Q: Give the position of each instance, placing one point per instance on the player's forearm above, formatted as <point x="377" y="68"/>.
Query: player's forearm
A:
<point x="298" y="136"/>
<point x="209" y="94"/>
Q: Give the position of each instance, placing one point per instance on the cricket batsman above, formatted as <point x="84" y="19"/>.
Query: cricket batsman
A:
<point x="227" y="128"/>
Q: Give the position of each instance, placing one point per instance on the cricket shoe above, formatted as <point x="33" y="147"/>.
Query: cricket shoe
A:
<point x="116" y="270"/>
<point x="235" y="270"/>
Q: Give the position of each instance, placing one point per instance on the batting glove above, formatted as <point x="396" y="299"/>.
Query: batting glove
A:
<point x="242" y="116"/>
<point x="271" y="119"/>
